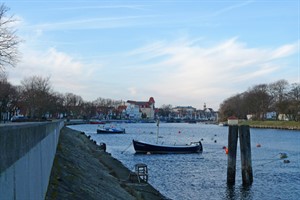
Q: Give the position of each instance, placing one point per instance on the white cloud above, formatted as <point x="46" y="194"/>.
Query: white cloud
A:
<point x="93" y="23"/>
<point x="284" y="51"/>
<point x="200" y="74"/>
<point x="185" y="73"/>
<point x="66" y="73"/>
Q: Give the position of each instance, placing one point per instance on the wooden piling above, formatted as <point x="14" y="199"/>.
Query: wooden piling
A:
<point x="245" y="147"/>
<point x="232" y="149"/>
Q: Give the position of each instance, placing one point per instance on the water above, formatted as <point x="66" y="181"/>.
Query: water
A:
<point x="203" y="176"/>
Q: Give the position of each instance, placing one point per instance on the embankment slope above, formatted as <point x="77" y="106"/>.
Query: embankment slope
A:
<point x="81" y="170"/>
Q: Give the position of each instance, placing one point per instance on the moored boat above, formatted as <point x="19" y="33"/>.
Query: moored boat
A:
<point x="111" y="129"/>
<point x="143" y="147"/>
<point x="96" y="122"/>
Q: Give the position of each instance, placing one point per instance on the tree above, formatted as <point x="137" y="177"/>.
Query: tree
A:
<point x="7" y="93"/>
<point x="8" y="39"/>
<point x="36" y="92"/>
<point x="232" y="106"/>
<point x="257" y="101"/>
<point x="294" y="102"/>
<point x="73" y="104"/>
<point x="278" y="92"/>
<point x="165" y="110"/>
<point x="56" y="105"/>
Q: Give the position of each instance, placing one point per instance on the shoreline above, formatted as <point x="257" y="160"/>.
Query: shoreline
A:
<point x="275" y="127"/>
<point x="83" y="170"/>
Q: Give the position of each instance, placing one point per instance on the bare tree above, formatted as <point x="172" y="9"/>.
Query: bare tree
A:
<point x="165" y="110"/>
<point x="8" y="39"/>
<point x="73" y="104"/>
<point x="258" y="100"/>
<point x="36" y="95"/>
<point x="7" y="93"/>
<point x="294" y="102"/>
<point x="278" y="92"/>
<point x="232" y="106"/>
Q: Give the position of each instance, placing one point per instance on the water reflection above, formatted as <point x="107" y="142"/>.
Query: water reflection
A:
<point x="242" y="192"/>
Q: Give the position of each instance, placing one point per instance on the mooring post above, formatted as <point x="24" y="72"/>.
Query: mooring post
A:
<point x="232" y="148"/>
<point x="246" y="163"/>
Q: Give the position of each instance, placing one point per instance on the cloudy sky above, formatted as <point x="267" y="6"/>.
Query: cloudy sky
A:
<point x="183" y="53"/>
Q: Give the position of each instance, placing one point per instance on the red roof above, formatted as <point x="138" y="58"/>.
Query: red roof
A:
<point x="232" y="117"/>
<point x="143" y="104"/>
<point x="151" y="100"/>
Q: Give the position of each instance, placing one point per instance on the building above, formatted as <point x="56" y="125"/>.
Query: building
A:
<point x="141" y="109"/>
<point x="184" y="112"/>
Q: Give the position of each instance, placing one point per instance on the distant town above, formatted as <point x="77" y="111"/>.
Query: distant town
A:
<point x="146" y="110"/>
<point x="35" y="100"/>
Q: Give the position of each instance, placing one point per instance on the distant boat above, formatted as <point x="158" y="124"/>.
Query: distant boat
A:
<point x="96" y="122"/>
<point x="110" y="129"/>
<point x="143" y="147"/>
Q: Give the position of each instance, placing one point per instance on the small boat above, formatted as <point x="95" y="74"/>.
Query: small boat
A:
<point x="96" y="122"/>
<point x="146" y="148"/>
<point x="111" y="129"/>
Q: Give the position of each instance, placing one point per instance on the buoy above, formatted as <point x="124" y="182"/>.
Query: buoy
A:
<point x="258" y="145"/>
<point x="226" y="150"/>
<point x="215" y="141"/>
<point x="286" y="161"/>
<point x="283" y="155"/>
<point x="224" y="147"/>
<point x="179" y="131"/>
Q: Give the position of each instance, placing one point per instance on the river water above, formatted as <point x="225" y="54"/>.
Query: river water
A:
<point x="203" y="176"/>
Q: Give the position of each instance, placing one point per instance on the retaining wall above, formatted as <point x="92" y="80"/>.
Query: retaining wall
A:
<point x="27" y="151"/>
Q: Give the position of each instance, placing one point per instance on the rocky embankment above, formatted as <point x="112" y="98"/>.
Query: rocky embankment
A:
<point x="82" y="170"/>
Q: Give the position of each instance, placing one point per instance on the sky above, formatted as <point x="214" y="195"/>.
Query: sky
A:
<point x="182" y="53"/>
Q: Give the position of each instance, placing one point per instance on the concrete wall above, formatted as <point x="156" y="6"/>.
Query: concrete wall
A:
<point x="27" y="151"/>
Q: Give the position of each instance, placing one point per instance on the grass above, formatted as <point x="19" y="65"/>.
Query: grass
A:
<point x="275" y="124"/>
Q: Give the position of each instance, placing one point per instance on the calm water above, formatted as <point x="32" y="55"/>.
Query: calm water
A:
<point x="203" y="176"/>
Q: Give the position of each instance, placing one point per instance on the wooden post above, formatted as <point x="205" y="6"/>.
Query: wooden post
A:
<point x="246" y="163"/>
<point x="232" y="147"/>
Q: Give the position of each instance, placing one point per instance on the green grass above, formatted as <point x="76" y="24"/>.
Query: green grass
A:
<point x="282" y="124"/>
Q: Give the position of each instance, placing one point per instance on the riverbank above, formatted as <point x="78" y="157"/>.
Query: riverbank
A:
<point x="82" y="170"/>
<point x="286" y="125"/>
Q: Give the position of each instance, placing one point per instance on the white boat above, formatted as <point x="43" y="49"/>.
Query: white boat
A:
<point x="110" y="130"/>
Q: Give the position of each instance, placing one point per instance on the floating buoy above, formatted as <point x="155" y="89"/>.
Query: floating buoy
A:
<point x="283" y="155"/>
<point x="286" y="161"/>
<point x="179" y="131"/>
<point x="258" y="145"/>
<point x="225" y="149"/>
<point x="148" y="153"/>
<point x="215" y="141"/>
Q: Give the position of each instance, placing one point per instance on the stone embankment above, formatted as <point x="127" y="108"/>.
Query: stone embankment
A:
<point x="276" y="127"/>
<point x="82" y="170"/>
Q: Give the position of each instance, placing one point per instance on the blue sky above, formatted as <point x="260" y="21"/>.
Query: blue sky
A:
<point x="183" y="53"/>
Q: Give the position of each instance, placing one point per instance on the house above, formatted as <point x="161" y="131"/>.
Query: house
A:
<point x="232" y="120"/>
<point x="139" y="109"/>
<point x="184" y="112"/>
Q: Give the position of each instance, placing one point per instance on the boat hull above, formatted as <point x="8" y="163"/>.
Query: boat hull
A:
<point x="141" y="147"/>
<point x="111" y="131"/>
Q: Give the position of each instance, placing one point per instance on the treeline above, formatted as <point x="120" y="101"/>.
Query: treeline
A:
<point x="36" y="99"/>
<point x="279" y="97"/>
